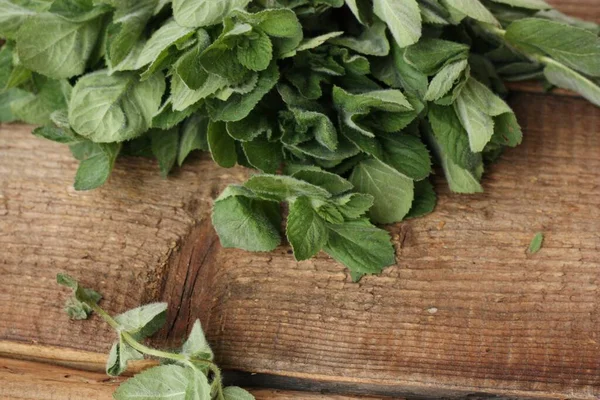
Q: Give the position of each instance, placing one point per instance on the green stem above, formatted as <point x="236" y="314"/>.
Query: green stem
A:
<point x="130" y="340"/>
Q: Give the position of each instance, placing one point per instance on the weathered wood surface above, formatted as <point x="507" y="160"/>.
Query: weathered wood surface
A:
<point x="465" y="310"/>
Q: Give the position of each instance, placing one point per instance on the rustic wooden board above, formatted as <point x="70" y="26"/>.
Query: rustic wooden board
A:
<point x="464" y="311"/>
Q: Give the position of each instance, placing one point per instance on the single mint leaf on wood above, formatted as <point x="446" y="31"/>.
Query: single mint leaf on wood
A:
<point x="507" y="131"/>
<point x="360" y="246"/>
<point x="95" y="169"/>
<point x="196" y="345"/>
<point x="574" y="47"/>
<point x="536" y="243"/>
<point x="165" y="145"/>
<point x="564" y="77"/>
<point x="247" y="223"/>
<point x="221" y="145"/>
<point x="402" y="17"/>
<point x="306" y="231"/>
<point x="473" y="9"/>
<point x="143" y="321"/>
<point x="114" y="108"/>
<point x="392" y="191"/>
<point x="62" y="50"/>
<point x="236" y="393"/>
<point x="199" y="13"/>
<point x="425" y="200"/>
<point x="157" y="383"/>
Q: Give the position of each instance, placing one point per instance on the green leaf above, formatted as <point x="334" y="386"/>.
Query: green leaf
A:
<point x="120" y="354"/>
<point x="157" y="48"/>
<point x="263" y="155"/>
<point x="407" y="154"/>
<point x="256" y="54"/>
<point x="221" y="145"/>
<point x="51" y="95"/>
<point x="249" y="128"/>
<point x="564" y="77"/>
<point x="574" y="47"/>
<point x="143" y="321"/>
<point x="410" y="78"/>
<point x="557" y="16"/>
<point x="362" y="10"/>
<point x="473" y="9"/>
<point x="165" y="145"/>
<point x="360" y="246"/>
<point x="306" y="231"/>
<point x="536" y="243"/>
<point x="78" y="10"/>
<point x="475" y="106"/>
<point x="425" y="200"/>
<point x="64" y="48"/>
<point x="451" y="137"/>
<point x="59" y="135"/>
<point x="198" y="388"/>
<point x="354" y="205"/>
<point x="77" y="306"/>
<point x="333" y="183"/>
<point x="282" y="25"/>
<point x="94" y="170"/>
<point x="196" y="345"/>
<point x="167" y="117"/>
<point x="444" y="80"/>
<point x="281" y="188"/>
<point x="198" y="13"/>
<point x="529" y="4"/>
<point x="238" y="106"/>
<point x="507" y="130"/>
<point x="314" y="42"/>
<point x="6" y="98"/>
<point x="372" y="41"/>
<point x="114" y="108"/>
<point x="129" y="21"/>
<point x="430" y="55"/>
<point x="402" y="17"/>
<point x="194" y="136"/>
<point x="392" y="191"/>
<point x="236" y="393"/>
<point x="13" y="13"/>
<point x="157" y="383"/>
<point x="246" y="223"/>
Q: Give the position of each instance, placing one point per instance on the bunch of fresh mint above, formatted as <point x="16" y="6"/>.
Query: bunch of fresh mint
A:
<point x="189" y="374"/>
<point x="339" y="103"/>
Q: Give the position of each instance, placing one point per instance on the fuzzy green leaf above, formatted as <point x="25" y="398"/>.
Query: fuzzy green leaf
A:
<point x="402" y="17"/>
<point x="306" y="231"/>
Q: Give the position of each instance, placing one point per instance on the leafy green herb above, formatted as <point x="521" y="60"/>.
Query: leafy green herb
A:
<point x="342" y="106"/>
<point x="187" y="374"/>
<point x="536" y="243"/>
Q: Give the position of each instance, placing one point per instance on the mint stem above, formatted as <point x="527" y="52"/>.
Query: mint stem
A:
<point x="217" y="380"/>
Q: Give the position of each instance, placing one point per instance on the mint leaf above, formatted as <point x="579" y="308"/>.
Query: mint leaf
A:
<point x="333" y="183"/>
<point x="77" y="306"/>
<point x="264" y="155"/>
<point x="120" y="354"/>
<point x="64" y="48"/>
<point x="95" y="169"/>
<point x="221" y="145"/>
<point x="431" y="55"/>
<point x="402" y="17"/>
<point x="13" y="13"/>
<point x="165" y="145"/>
<point x="157" y="383"/>
<point x="306" y="231"/>
<point x="256" y="52"/>
<point x="475" y="106"/>
<point x="194" y="136"/>
<point x="114" y="108"/>
<point x="198" y="13"/>
<point x="473" y="9"/>
<point x="281" y="188"/>
<point x="198" y="387"/>
<point x="372" y="41"/>
<point x="196" y="345"/>
<point x="444" y="80"/>
<point x="50" y="95"/>
<point x="6" y="98"/>
<point x="536" y="243"/>
<point x="424" y="201"/>
<point x="360" y="246"/>
<point x="564" y="77"/>
<point x="574" y="47"/>
<point x="392" y="191"/>
<point x="246" y="223"/>
<point x="529" y="4"/>
<point x="236" y="393"/>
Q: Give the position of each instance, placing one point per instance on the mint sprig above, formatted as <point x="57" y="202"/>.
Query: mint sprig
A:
<point x="189" y="374"/>
<point x="351" y="102"/>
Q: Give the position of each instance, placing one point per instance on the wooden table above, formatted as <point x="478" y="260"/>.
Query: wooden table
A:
<point x="464" y="312"/>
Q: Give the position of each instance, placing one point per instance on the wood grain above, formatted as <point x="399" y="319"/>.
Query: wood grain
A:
<point x="26" y="380"/>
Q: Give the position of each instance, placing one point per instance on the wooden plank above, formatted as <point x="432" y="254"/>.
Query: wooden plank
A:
<point x="26" y="380"/>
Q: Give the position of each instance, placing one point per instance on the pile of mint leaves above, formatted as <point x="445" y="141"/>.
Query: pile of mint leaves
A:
<point x="343" y="106"/>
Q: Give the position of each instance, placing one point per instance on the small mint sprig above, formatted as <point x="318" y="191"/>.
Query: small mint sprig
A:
<point x="189" y="374"/>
